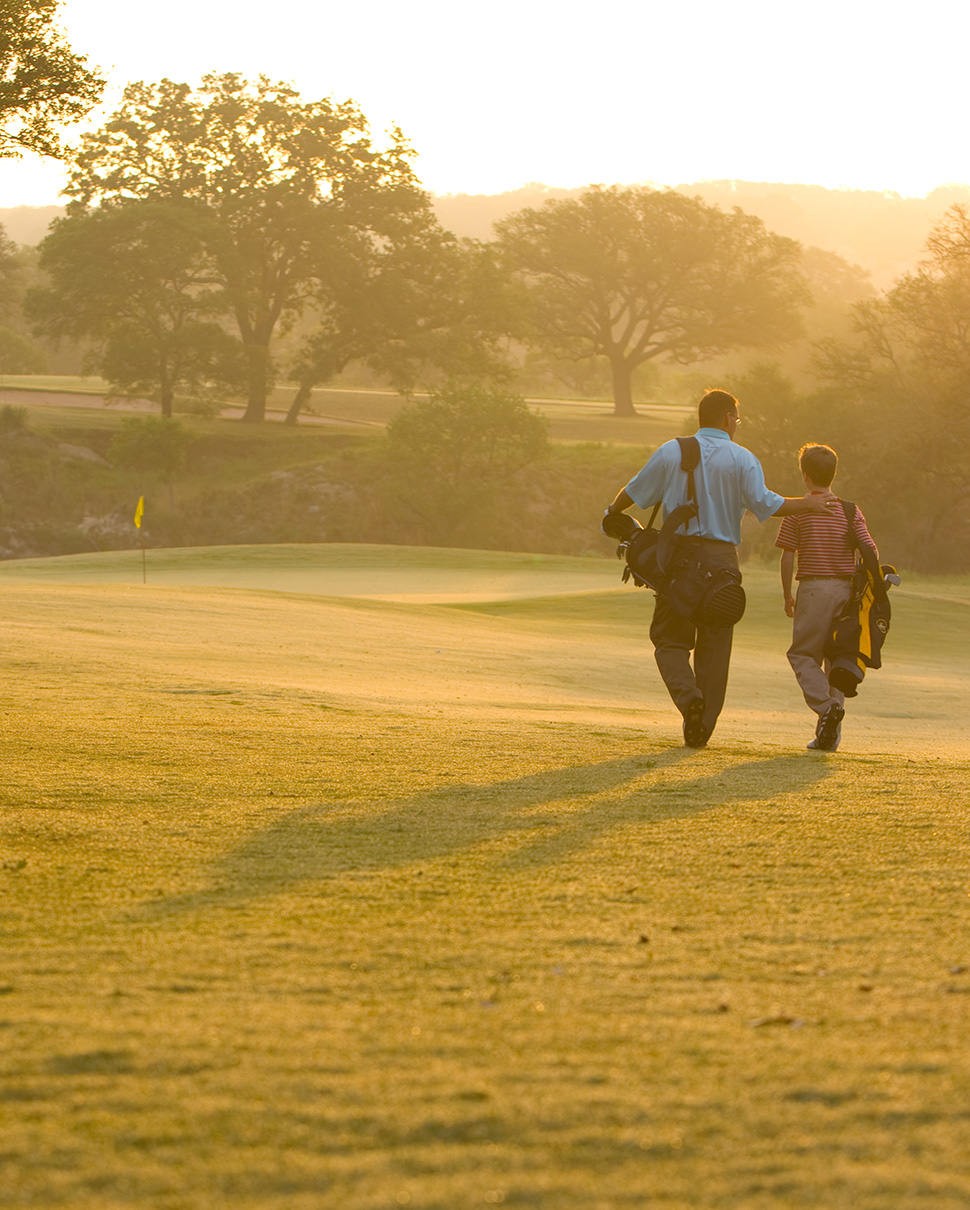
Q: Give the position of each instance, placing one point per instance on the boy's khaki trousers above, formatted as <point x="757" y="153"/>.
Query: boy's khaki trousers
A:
<point x="818" y="600"/>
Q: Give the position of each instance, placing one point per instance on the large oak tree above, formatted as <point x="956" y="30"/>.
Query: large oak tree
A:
<point x="133" y="281"/>
<point x="634" y="274"/>
<point x="284" y="185"/>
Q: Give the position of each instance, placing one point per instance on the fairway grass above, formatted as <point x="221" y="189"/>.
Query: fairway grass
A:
<point x="311" y="900"/>
<point x="60" y="400"/>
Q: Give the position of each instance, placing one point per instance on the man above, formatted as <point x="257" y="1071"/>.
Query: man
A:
<point x="728" y="481"/>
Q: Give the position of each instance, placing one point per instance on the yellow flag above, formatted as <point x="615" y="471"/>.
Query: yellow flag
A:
<point x="139" y="512"/>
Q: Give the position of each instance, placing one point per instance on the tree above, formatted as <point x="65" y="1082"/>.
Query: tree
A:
<point x="135" y="277"/>
<point x="409" y="300"/>
<point x="155" y="445"/>
<point x="43" y="84"/>
<point x="928" y="312"/>
<point x="11" y="276"/>
<point x="468" y="434"/>
<point x="776" y="421"/>
<point x="357" y="270"/>
<point x="918" y="332"/>
<point x="635" y="274"/>
<point x="835" y="286"/>
<point x="17" y="354"/>
<point x="273" y="176"/>
<point x="454" y="457"/>
<point x="904" y="410"/>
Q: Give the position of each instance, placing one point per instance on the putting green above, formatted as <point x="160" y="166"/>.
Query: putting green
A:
<point x="378" y="572"/>
<point x="311" y="900"/>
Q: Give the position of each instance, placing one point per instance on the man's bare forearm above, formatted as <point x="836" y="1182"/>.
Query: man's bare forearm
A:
<point x="621" y="503"/>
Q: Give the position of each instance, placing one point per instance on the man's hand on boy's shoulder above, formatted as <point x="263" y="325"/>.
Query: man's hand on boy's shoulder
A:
<point x="821" y="502"/>
<point x="811" y="502"/>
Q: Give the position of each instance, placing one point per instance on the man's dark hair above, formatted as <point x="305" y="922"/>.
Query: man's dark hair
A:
<point x="819" y="462"/>
<point x="713" y="407"/>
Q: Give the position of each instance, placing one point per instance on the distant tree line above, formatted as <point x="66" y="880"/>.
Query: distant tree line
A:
<point x="223" y="237"/>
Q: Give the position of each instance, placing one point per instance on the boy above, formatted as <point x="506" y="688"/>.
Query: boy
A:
<point x="826" y="564"/>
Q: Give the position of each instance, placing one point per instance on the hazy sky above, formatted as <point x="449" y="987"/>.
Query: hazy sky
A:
<point x="840" y="93"/>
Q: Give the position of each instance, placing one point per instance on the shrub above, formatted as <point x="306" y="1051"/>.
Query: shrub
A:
<point x="157" y="444"/>
<point x="12" y="419"/>
<point x="469" y="433"/>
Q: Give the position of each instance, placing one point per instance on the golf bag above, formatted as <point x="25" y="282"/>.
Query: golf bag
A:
<point x="860" y="628"/>
<point x="695" y="583"/>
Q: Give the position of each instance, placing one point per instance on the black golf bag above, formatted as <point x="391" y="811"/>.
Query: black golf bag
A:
<point x="696" y="583"/>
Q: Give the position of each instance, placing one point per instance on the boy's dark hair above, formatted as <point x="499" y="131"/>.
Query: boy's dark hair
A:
<point x="819" y="462"/>
<point x="714" y="406"/>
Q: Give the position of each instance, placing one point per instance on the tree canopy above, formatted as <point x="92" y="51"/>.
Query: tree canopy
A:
<point x="634" y="274"/>
<point x="414" y="304"/>
<point x="918" y="333"/>
<point x="10" y="277"/>
<point x="896" y="397"/>
<point x="43" y="83"/>
<point x="469" y="433"/>
<point x="284" y="186"/>
<point x="134" y="277"/>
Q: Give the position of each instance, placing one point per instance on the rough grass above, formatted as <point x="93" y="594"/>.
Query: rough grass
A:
<point x="315" y="901"/>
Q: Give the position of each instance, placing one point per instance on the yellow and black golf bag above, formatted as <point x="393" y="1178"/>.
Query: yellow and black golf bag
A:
<point x="860" y="628"/>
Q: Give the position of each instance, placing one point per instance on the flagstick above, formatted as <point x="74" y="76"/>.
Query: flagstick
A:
<point x="139" y="513"/>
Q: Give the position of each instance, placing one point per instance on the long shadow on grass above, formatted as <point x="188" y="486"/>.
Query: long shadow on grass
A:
<point x="529" y="822"/>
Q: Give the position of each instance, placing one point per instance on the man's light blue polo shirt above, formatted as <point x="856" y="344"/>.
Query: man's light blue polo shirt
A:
<point x="728" y="480"/>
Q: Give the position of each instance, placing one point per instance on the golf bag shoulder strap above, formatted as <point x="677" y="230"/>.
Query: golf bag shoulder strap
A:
<point x="850" y="511"/>
<point x="690" y="457"/>
<point x="864" y="553"/>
